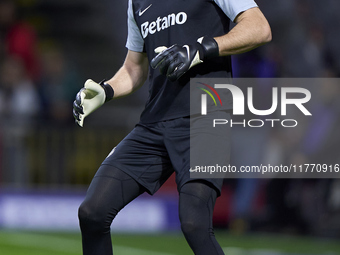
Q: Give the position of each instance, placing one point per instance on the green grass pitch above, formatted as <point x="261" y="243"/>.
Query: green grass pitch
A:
<point x="52" y="243"/>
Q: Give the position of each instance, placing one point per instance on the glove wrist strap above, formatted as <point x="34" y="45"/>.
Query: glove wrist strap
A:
<point x="109" y="92"/>
<point x="209" y="47"/>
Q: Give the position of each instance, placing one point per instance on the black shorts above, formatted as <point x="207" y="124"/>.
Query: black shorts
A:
<point x="150" y="153"/>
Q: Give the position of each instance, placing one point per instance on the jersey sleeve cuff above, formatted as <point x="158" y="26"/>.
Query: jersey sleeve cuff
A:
<point x="241" y="9"/>
<point x="135" y="48"/>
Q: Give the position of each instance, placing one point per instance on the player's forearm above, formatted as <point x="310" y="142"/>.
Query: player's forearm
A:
<point x="125" y="82"/>
<point x="252" y="30"/>
<point x="130" y="76"/>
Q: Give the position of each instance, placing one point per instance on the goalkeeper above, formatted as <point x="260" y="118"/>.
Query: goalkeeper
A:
<point x="168" y="42"/>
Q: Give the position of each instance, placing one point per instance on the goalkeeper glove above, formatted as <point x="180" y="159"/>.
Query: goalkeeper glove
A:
<point x="90" y="98"/>
<point x="177" y="60"/>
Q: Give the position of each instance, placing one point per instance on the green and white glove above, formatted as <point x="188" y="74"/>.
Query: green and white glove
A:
<point x="90" y="98"/>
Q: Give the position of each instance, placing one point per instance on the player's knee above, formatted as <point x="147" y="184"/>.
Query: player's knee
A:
<point x="190" y="227"/>
<point x="92" y="219"/>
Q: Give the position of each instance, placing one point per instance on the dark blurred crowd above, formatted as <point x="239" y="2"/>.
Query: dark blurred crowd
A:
<point x="293" y="205"/>
<point x="38" y="85"/>
<point x="35" y="81"/>
<point x="305" y="44"/>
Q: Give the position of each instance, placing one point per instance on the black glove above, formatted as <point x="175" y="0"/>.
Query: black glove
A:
<point x="90" y="98"/>
<point x="177" y="60"/>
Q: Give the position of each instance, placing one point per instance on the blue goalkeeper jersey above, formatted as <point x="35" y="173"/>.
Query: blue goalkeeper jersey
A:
<point x="154" y="23"/>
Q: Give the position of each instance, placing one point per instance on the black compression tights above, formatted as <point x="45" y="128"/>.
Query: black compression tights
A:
<point x="196" y="205"/>
<point x="112" y="189"/>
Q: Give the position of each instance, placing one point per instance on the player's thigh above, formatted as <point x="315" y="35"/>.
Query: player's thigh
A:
<point x="195" y="143"/>
<point x="143" y="156"/>
<point x="110" y="190"/>
<point x="210" y="144"/>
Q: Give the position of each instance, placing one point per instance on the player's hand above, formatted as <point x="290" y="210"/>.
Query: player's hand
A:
<point x="90" y="98"/>
<point x="177" y="60"/>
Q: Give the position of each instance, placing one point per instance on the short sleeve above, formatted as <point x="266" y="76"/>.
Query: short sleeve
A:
<point x="134" y="41"/>
<point x="234" y="7"/>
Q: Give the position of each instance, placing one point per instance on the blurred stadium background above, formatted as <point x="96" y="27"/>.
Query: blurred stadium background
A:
<point x="48" y="48"/>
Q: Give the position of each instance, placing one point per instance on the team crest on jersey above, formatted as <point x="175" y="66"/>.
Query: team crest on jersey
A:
<point x="163" y="23"/>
